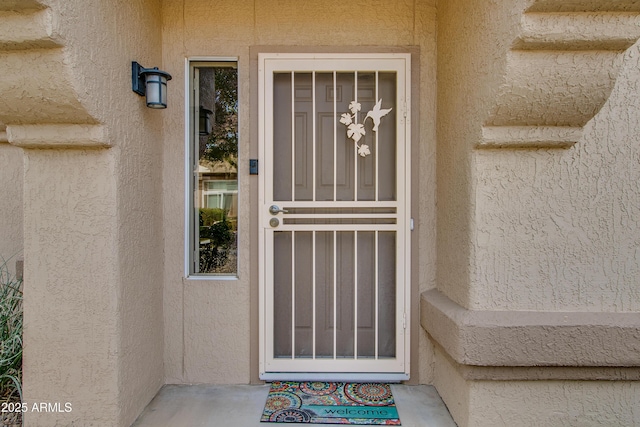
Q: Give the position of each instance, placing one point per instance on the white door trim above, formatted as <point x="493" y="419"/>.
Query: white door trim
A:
<point x="387" y="370"/>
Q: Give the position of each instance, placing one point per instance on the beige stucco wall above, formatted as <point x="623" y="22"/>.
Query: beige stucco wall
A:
<point x="92" y="204"/>
<point x="558" y="230"/>
<point x="11" y="198"/>
<point x="555" y="403"/>
<point x="536" y="403"/>
<point x="109" y="314"/>
<point x="70" y="332"/>
<point x="523" y="226"/>
<point x="534" y="228"/>
<point x="208" y="334"/>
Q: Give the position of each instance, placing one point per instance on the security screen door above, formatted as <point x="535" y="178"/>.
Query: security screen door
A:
<point x="334" y="216"/>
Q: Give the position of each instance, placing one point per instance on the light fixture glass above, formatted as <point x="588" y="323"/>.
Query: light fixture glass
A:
<point x="151" y="82"/>
<point x="205" y="121"/>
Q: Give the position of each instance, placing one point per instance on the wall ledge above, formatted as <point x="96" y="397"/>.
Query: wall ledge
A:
<point x="58" y="136"/>
<point x="532" y="339"/>
<point x="542" y="373"/>
<point x="529" y="136"/>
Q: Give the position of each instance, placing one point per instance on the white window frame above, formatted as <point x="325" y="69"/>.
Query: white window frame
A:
<point x="223" y="193"/>
<point x="189" y="64"/>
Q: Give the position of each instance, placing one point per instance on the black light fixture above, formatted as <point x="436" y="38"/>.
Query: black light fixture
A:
<point x="205" y="121"/>
<point x="151" y="82"/>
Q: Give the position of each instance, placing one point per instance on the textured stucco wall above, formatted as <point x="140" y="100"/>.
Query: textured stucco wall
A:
<point x="471" y="61"/>
<point x="139" y="186"/>
<point x="555" y="403"/>
<point x="536" y="229"/>
<point x="525" y="228"/>
<point x="11" y="243"/>
<point x="536" y="403"/>
<point x="92" y="217"/>
<point x="207" y="322"/>
<point x="70" y="330"/>
<point x="558" y="229"/>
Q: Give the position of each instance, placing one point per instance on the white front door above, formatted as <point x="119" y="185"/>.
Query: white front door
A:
<point x="335" y="216"/>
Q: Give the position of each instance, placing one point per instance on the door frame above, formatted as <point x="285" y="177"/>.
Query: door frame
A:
<point x="410" y="247"/>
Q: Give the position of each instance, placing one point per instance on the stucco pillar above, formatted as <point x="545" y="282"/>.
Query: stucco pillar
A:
<point x="91" y="208"/>
<point x="535" y="316"/>
<point x="71" y="288"/>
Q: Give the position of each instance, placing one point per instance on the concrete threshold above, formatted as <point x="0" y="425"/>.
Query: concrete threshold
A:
<point x="242" y="405"/>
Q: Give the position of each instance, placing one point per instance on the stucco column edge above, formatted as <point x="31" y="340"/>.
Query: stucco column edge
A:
<point x="576" y="49"/>
<point x="526" y="339"/>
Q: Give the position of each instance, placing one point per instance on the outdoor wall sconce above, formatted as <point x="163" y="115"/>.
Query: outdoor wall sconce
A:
<point x="151" y="82"/>
<point x="205" y="121"/>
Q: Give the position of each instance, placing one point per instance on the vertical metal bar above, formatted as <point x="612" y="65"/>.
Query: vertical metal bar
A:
<point x="355" y="148"/>
<point x="313" y="138"/>
<point x="376" y="284"/>
<point x="335" y="136"/>
<point x="335" y="294"/>
<point x="293" y="137"/>
<point x="377" y="171"/>
<point x="355" y="294"/>
<point x="293" y="294"/>
<point x="313" y="290"/>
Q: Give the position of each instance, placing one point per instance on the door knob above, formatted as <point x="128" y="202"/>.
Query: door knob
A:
<point x="275" y="210"/>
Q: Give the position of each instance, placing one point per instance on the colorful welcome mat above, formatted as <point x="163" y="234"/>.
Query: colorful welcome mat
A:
<point x="331" y="403"/>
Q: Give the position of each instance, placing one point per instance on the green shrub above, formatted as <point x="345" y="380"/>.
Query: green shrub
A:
<point x="219" y="238"/>
<point x="209" y="216"/>
<point x="10" y="334"/>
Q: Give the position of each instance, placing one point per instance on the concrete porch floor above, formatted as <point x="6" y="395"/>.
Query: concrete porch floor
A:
<point x="242" y="405"/>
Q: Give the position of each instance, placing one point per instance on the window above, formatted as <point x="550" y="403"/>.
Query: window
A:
<point x="213" y="168"/>
<point x="221" y="195"/>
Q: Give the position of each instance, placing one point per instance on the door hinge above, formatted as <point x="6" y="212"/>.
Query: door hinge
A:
<point x="404" y="320"/>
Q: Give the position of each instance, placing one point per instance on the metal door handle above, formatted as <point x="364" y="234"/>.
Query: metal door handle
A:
<point x="275" y="210"/>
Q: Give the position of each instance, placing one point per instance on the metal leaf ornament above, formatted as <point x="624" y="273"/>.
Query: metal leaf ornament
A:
<point x="356" y="130"/>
